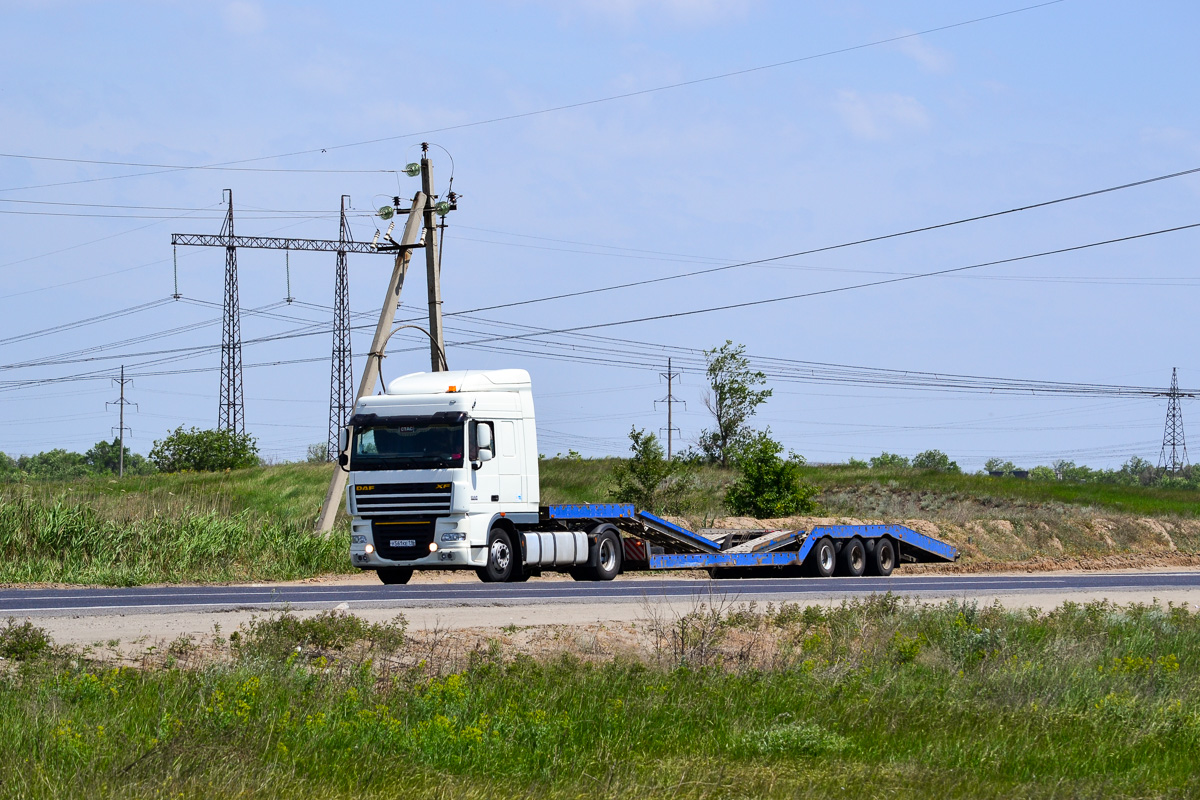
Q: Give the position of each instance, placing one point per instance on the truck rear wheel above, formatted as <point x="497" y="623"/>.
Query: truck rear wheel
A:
<point x="882" y="559"/>
<point x="608" y="555"/>
<point x="852" y="561"/>
<point x="501" y="559"/>
<point x="823" y="558"/>
<point x="394" y="575"/>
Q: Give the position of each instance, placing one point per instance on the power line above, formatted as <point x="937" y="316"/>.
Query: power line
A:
<point x="843" y="245"/>
<point x="838" y="289"/>
<point x="564" y="107"/>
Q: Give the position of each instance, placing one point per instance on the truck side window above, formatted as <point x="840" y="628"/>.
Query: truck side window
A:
<point x="473" y="453"/>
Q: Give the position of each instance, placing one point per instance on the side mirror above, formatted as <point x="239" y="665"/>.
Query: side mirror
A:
<point x="484" y="455"/>
<point x="343" y="460"/>
<point x="483" y="437"/>
<point x="343" y="439"/>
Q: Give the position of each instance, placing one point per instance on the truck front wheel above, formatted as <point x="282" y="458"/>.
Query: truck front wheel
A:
<point x="501" y="559"/>
<point x="393" y="576"/>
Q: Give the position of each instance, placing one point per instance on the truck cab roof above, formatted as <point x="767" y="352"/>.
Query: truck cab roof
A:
<point x="462" y="380"/>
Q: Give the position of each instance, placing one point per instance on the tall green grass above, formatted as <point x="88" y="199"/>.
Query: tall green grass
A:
<point x="871" y="699"/>
<point x="254" y="524"/>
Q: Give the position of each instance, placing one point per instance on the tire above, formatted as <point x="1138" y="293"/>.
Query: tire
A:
<point x="882" y="558"/>
<point x="823" y="557"/>
<point x="502" y="558"/>
<point x="609" y="553"/>
<point x="852" y="561"/>
<point x="394" y="576"/>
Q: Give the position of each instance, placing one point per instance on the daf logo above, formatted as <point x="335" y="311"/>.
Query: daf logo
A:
<point x="363" y="488"/>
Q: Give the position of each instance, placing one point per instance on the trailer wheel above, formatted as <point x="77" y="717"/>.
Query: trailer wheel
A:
<point x="882" y="559"/>
<point x="393" y="576"/>
<point x="501" y="559"/>
<point x="824" y="558"/>
<point x="852" y="561"/>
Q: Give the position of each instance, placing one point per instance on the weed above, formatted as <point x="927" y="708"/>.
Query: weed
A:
<point x="23" y="641"/>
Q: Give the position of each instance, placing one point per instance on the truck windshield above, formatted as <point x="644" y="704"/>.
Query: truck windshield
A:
<point x="408" y="445"/>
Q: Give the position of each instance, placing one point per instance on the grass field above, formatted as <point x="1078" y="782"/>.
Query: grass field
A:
<point x="873" y="699"/>
<point x="256" y="524"/>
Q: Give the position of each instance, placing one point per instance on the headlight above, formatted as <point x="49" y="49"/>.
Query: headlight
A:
<point x="370" y="549"/>
<point x="453" y="537"/>
<point x="358" y="538"/>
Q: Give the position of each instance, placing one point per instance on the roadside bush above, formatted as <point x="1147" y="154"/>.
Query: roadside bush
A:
<point x="282" y="635"/>
<point x="767" y="485"/>
<point x="105" y="458"/>
<point x="886" y="460"/>
<point x="935" y="460"/>
<point x="650" y="481"/>
<point x="204" y="451"/>
<point x="22" y="642"/>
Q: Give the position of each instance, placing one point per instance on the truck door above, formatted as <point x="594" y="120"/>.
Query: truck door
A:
<point x="485" y="481"/>
<point x="510" y="462"/>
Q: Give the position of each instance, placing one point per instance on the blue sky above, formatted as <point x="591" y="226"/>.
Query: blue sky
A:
<point x="1001" y="113"/>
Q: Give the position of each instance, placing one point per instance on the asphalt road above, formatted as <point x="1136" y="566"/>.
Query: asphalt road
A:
<point x="83" y="602"/>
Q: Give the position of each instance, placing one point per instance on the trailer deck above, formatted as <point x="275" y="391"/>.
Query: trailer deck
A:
<point x="672" y="546"/>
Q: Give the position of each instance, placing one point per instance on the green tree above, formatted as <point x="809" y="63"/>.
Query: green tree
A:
<point x="204" y="451"/>
<point x="8" y="467"/>
<point x="732" y="399"/>
<point x="934" y="460"/>
<point x="105" y="458"/>
<point x="650" y="481"/>
<point x="55" y="465"/>
<point x="317" y="453"/>
<point x="1043" y="473"/>
<point x="886" y="460"/>
<point x="768" y="486"/>
<point x="1003" y="467"/>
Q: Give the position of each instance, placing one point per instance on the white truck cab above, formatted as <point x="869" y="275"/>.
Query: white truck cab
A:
<point x="437" y="463"/>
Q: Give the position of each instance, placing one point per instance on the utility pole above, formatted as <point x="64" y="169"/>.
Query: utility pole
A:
<point x="383" y="329"/>
<point x="670" y="400"/>
<point x="1173" y="431"/>
<point x="433" y="267"/>
<point x="231" y="416"/>
<point x="120" y="403"/>
<point x="341" y="382"/>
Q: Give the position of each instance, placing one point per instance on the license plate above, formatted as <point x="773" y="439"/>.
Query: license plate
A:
<point x="404" y="542"/>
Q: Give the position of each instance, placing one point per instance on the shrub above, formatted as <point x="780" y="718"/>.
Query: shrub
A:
<point x="23" y="641"/>
<point x="934" y="460"/>
<point x="204" y="451"/>
<point x="1042" y="474"/>
<point x="767" y="485"/>
<point x="317" y="453"/>
<point x="650" y="481"/>
<point x="886" y="460"/>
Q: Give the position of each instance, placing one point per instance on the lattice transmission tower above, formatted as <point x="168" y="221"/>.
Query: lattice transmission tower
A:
<point x="341" y="383"/>
<point x="1173" y="457"/>
<point x="231" y="416"/>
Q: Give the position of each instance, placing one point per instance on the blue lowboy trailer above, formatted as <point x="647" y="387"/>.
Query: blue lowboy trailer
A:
<point x="649" y="542"/>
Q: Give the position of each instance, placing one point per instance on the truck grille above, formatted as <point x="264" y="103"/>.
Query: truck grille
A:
<point x="402" y="539"/>
<point x="401" y="498"/>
